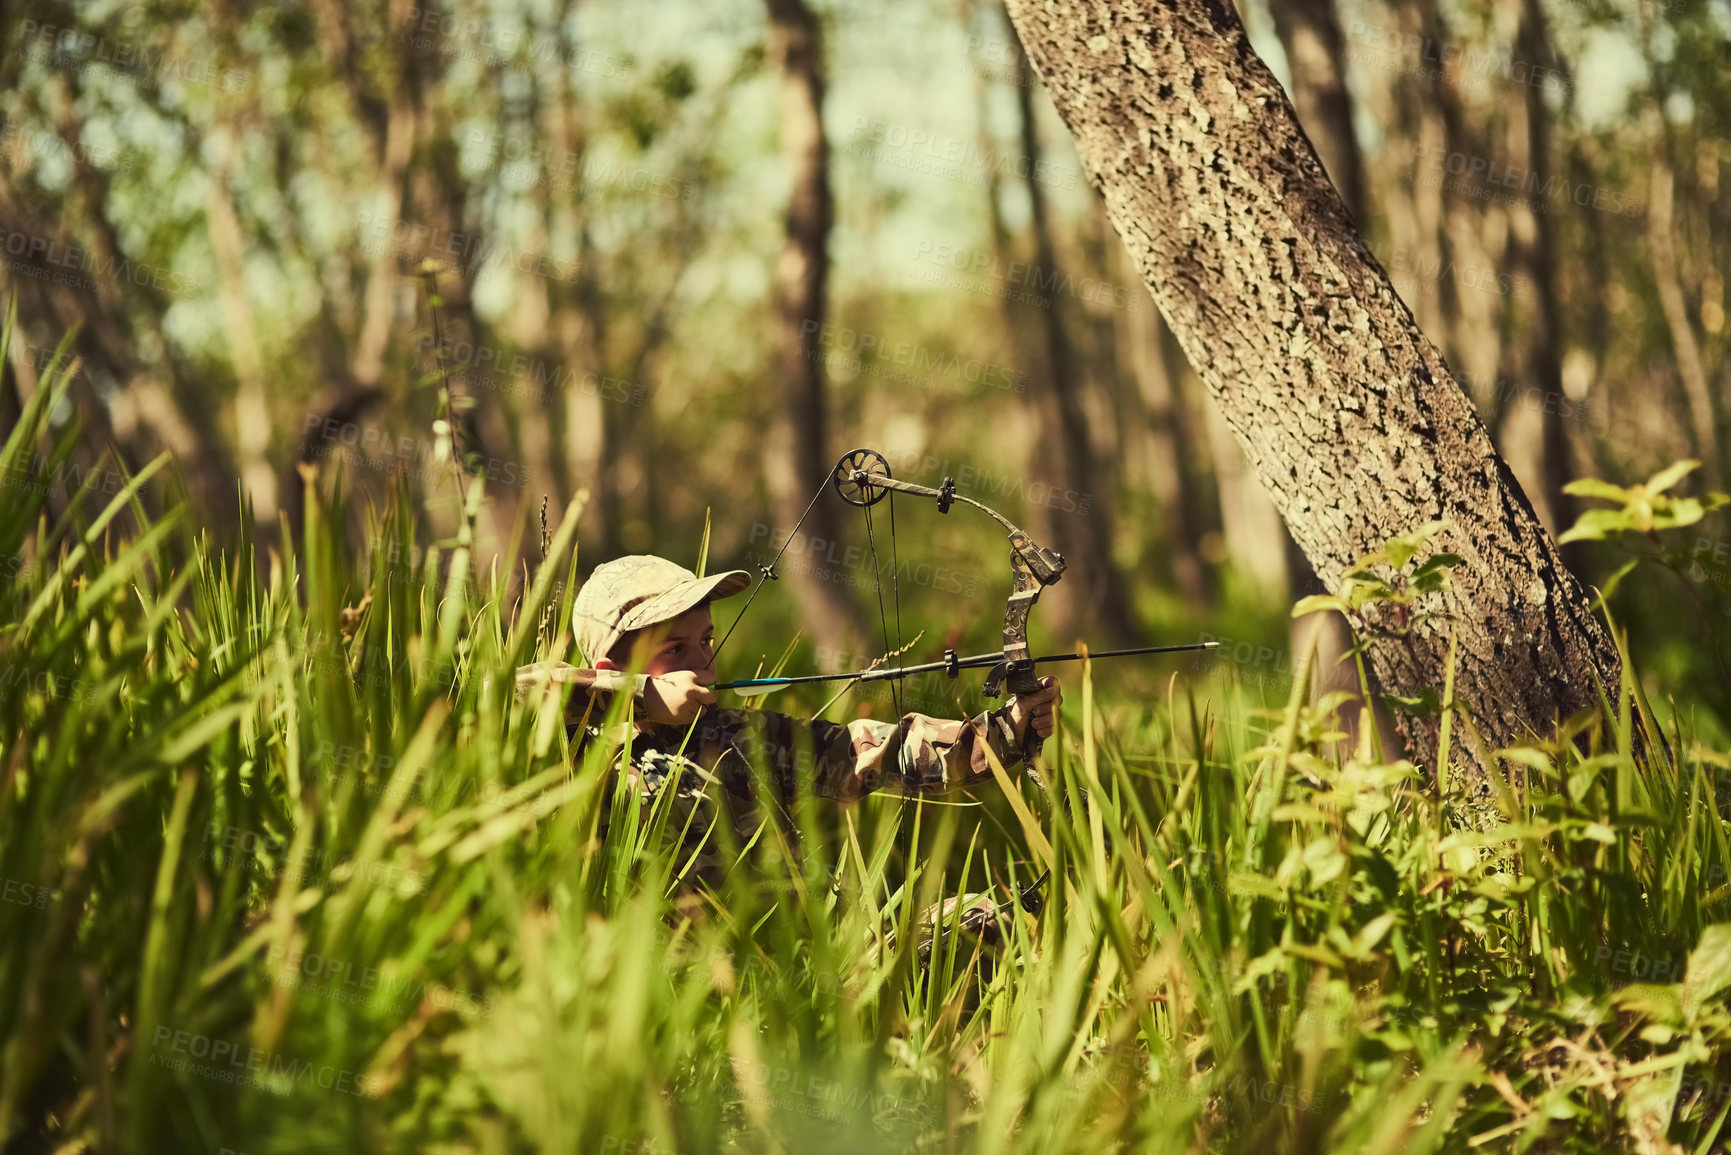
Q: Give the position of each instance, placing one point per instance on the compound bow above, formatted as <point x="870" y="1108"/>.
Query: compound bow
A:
<point x="862" y="478"/>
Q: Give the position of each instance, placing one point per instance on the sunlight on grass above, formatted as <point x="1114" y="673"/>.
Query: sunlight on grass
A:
<point x="288" y="868"/>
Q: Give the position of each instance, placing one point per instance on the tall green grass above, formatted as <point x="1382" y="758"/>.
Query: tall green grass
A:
<point x="287" y="868"/>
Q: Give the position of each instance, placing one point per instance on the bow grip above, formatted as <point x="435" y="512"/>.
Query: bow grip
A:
<point x="1020" y="678"/>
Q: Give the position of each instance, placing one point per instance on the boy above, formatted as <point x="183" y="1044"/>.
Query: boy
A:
<point x="652" y="610"/>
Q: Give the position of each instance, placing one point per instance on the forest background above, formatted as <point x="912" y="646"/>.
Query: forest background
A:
<point x="668" y="283"/>
<point x="268" y="795"/>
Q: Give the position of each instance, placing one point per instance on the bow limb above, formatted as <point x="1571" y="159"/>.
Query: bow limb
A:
<point x="1018" y="669"/>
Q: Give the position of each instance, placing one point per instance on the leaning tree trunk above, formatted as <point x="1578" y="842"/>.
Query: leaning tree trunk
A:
<point x="1316" y="57"/>
<point x="1346" y="411"/>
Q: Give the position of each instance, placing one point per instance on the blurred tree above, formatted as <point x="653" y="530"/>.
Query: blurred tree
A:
<point x="1310" y="33"/>
<point x="1095" y="594"/>
<point x="1533" y="437"/>
<point x="798" y="445"/>
<point x="1167" y="446"/>
<point x="1348" y="414"/>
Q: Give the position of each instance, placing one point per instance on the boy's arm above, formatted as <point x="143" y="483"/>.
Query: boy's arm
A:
<point x="672" y="698"/>
<point x="916" y="755"/>
<point x="592" y="690"/>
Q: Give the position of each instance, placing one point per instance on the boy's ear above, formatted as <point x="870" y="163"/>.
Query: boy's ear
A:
<point x="624" y="651"/>
<point x="619" y="657"/>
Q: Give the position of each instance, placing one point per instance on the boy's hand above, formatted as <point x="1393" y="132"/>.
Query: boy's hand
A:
<point x="675" y="699"/>
<point x="1039" y="710"/>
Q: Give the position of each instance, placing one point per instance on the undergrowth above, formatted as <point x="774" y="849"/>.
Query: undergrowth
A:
<point x="288" y="868"/>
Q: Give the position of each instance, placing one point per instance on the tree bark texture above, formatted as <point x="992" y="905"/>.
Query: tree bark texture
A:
<point x="1344" y="409"/>
<point x="1316" y="58"/>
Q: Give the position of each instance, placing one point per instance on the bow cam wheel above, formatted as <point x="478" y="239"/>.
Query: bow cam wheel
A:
<point x="853" y="474"/>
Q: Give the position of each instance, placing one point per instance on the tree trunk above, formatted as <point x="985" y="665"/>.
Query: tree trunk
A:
<point x="1662" y="246"/>
<point x="1543" y="464"/>
<point x="1316" y="56"/>
<point x="1345" y="410"/>
<point x="798" y="455"/>
<point x="1165" y="448"/>
<point x="1249" y="521"/>
<point x="1097" y="594"/>
<point x="252" y="398"/>
<point x="1309" y="30"/>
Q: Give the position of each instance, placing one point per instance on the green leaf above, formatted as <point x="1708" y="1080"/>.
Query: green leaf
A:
<point x="1319" y="603"/>
<point x="1616" y="579"/>
<point x="1593" y="487"/>
<point x="1529" y="757"/>
<point x="1598" y="524"/>
<point x="1679" y="512"/>
<point x="1669" y="476"/>
<point x="1425" y="703"/>
<point x="1405" y="547"/>
<point x="1709" y="969"/>
<point x="1657" y="1002"/>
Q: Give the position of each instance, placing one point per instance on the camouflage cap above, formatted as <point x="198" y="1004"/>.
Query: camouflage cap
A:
<point x="630" y="593"/>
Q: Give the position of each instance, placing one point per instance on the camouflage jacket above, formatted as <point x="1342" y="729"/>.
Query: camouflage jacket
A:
<point x="729" y="758"/>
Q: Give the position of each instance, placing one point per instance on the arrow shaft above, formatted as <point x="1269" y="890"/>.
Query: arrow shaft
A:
<point x="975" y="662"/>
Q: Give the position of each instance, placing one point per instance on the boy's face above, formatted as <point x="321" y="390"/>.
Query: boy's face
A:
<point x="685" y="643"/>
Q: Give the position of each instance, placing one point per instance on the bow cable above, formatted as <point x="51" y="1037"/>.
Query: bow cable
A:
<point x="895" y="585"/>
<point x="766" y="573"/>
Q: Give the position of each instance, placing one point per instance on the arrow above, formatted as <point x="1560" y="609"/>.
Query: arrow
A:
<point x="952" y="664"/>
